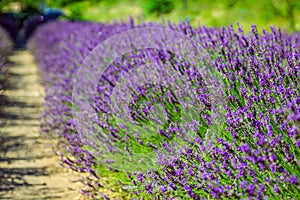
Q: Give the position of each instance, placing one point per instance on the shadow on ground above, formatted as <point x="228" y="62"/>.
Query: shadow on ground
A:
<point x="12" y="178"/>
<point x="29" y="169"/>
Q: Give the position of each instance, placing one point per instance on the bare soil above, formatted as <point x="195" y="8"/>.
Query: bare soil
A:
<point x="28" y="167"/>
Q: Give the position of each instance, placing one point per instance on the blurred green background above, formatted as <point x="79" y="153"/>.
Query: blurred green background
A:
<point x="281" y="13"/>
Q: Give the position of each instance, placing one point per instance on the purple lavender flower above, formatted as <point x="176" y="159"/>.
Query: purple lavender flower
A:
<point x="256" y="153"/>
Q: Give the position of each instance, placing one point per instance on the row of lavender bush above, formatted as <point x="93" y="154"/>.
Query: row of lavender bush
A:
<point x="6" y="47"/>
<point x="256" y="154"/>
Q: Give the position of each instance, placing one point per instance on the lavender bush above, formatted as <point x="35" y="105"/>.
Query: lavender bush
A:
<point x="255" y="151"/>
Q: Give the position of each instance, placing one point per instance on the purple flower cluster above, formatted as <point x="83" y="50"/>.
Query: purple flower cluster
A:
<point x="257" y="153"/>
<point x="256" y="150"/>
<point x="59" y="47"/>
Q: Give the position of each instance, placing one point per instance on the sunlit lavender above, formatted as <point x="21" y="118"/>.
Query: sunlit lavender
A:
<point x="254" y="151"/>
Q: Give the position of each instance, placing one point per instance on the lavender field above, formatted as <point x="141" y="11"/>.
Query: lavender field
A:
<point x="165" y="150"/>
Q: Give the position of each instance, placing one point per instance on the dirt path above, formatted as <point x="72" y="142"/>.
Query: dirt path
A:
<point x="28" y="167"/>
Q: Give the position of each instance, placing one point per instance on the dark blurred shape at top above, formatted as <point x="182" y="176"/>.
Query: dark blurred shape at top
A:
<point x="22" y="25"/>
<point x="49" y="14"/>
<point x="52" y="13"/>
<point x="12" y="23"/>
